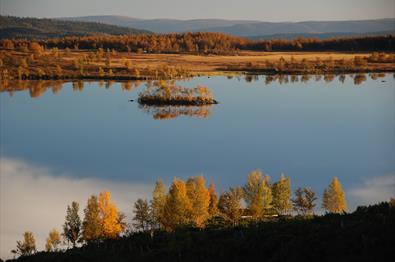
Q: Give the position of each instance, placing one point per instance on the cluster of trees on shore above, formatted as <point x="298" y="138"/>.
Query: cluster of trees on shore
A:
<point x="110" y="57"/>
<point x="34" y="62"/>
<point x="188" y="204"/>
<point x="209" y="43"/>
<point x="317" y="66"/>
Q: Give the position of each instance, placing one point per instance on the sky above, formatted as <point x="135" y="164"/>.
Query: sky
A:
<point x="264" y="10"/>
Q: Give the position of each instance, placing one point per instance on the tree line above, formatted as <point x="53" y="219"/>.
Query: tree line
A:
<point x="363" y="235"/>
<point x="207" y="43"/>
<point x="188" y="203"/>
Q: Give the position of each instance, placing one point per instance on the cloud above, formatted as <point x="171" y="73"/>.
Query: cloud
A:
<point x="374" y="190"/>
<point x="33" y="198"/>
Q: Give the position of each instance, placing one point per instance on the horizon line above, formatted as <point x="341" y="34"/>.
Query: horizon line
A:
<point x="195" y="19"/>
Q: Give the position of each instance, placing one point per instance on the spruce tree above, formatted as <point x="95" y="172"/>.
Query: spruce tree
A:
<point x="72" y="225"/>
<point x="142" y="215"/>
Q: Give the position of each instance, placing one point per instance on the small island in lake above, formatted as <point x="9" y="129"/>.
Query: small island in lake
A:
<point x="168" y="94"/>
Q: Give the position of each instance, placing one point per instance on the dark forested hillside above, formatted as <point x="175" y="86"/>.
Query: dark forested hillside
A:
<point x="365" y="235"/>
<point x="16" y="27"/>
<point x="218" y="43"/>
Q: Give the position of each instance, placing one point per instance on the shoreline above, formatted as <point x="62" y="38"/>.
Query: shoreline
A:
<point x="54" y="64"/>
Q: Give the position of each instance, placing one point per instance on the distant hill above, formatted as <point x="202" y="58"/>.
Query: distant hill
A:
<point x="246" y="28"/>
<point x="350" y="27"/>
<point x="318" y="35"/>
<point x="160" y="25"/>
<point x="15" y="27"/>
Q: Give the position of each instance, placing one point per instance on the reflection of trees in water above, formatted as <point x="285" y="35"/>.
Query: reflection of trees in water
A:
<point x="37" y="88"/>
<point x="375" y="76"/>
<point x="359" y="79"/>
<point x="328" y="78"/>
<point x="170" y="112"/>
<point x="78" y="86"/>
<point x="342" y="78"/>
<point x="305" y="78"/>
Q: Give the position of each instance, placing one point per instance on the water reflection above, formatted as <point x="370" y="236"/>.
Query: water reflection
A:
<point x="357" y="79"/>
<point x="37" y="88"/>
<point x="171" y="112"/>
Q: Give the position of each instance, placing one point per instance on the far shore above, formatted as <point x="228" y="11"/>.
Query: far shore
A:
<point x="53" y="64"/>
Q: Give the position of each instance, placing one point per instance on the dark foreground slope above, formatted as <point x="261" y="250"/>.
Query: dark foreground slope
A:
<point x="16" y="27"/>
<point x="365" y="235"/>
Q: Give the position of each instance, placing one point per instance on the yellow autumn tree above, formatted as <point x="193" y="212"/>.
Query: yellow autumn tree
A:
<point x="213" y="206"/>
<point x="334" y="199"/>
<point x="257" y="193"/>
<point x="158" y="203"/>
<point x="53" y="241"/>
<point x="177" y="211"/>
<point x="109" y="216"/>
<point x="199" y="197"/>
<point x="92" y="224"/>
<point x="281" y="191"/>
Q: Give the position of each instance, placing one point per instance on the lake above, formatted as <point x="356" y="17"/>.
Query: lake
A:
<point x="69" y="140"/>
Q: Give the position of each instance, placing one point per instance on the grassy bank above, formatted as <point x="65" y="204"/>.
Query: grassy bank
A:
<point x="364" y="235"/>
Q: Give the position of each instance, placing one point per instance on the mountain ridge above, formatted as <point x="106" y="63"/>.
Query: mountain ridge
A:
<point x="245" y="28"/>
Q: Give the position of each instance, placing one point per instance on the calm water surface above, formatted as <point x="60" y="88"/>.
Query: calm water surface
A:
<point x="310" y="131"/>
